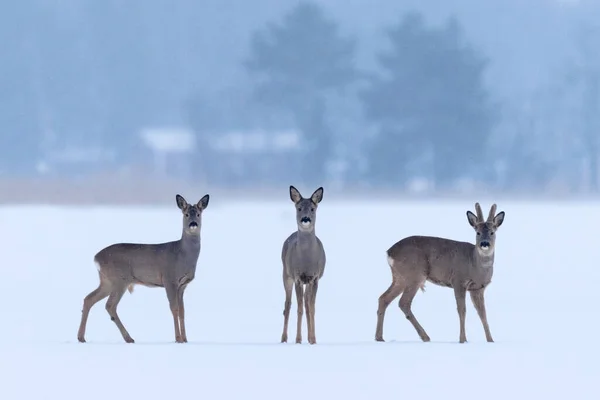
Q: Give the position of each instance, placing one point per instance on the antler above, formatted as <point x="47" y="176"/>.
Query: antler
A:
<point x="479" y="212"/>
<point x="492" y="213"/>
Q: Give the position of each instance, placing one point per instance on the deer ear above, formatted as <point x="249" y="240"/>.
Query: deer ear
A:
<point x="181" y="203"/>
<point x="295" y="194"/>
<point x="203" y="203"/>
<point x="499" y="219"/>
<point x="317" y="196"/>
<point x="472" y="218"/>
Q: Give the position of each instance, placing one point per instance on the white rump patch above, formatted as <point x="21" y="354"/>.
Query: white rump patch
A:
<point x="390" y="261"/>
<point x="98" y="267"/>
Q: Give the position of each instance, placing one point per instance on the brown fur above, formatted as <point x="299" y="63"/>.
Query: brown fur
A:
<point x="303" y="259"/>
<point x="462" y="266"/>
<point x="170" y="265"/>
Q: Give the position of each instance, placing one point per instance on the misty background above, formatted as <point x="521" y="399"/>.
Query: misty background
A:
<point x="130" y="100"/>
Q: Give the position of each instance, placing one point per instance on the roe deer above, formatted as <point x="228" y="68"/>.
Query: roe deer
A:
<point x="303" y="259"/>
<point x="171" y="265"/>
<point x="458" y="265"/>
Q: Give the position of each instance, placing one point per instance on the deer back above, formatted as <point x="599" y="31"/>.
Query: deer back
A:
<point x="442" y="261"/>
<point x="148" y="264"/>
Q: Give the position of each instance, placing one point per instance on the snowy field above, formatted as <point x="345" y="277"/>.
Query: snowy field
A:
<point x="543" y="307"/>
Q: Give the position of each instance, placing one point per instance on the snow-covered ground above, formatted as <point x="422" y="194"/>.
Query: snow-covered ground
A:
<point x="543" y="307"/>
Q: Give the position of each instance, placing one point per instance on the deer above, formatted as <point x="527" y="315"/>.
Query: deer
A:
<point x="170" y="265"/>
<point x="303" y="258"/>
<point x="462" y="266"/>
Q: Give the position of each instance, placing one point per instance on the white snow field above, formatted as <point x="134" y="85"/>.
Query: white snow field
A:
<point x="543" y="307"/>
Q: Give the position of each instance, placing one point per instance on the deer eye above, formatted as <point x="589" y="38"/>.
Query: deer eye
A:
<point x="491" y="233"/>
<point x="187" y="215"/>
<point x="478" y="233"/>
<point x="312" y="209"/>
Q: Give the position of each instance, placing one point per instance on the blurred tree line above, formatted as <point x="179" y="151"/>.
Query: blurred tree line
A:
<point x="91" y="75"/>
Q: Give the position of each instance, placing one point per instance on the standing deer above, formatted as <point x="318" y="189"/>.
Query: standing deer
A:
<point x="303" y="259"/>
<point x="458" y="265"/>
<point x="171" y="265"/>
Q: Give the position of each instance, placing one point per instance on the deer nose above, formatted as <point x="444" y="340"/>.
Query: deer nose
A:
<point x="485" y="243"/>
<point x="305" y="220"/>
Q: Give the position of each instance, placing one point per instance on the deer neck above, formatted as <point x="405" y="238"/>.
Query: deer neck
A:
<point x="190" y="243"/>
<point x="483" y="260"/>
<point x="307" y="239"/>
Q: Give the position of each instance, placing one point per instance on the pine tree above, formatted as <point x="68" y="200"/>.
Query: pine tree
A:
<point x="296" y="64"/>
<point x="430" y="103"/>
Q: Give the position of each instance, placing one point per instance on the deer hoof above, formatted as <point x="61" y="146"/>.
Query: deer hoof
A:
<point x="379" y="339"/>
<point x="298" y="340"/>
<point x="128" y="339"/>
<point x="284" y="338"/>
<point x="81" y="339"/>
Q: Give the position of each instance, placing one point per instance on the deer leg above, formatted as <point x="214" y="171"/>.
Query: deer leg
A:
<point x="300" y="301"/>
<point x="312" y="337"/>
<point x="171" y="290"/>
<point x="479" y="304"/>
<point x="307" y="295"/>
<point x="95" y="296"/>
<point x="308" y="307"/>
<point x="181" y="312"/>
<point x="384" y="301"/>
<point x="461" y="293"/>
<point x="288" y="285"/>
<point x="405" y="305"/>
<point x="111" y="307"/>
